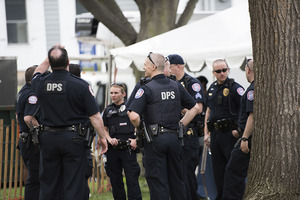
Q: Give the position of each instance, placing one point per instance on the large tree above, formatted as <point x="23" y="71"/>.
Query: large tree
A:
<point x="156" y="17"/>
<point x="274" y="171"/>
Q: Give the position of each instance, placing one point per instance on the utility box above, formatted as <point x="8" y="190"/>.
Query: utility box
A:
<point x="8" y="81"/>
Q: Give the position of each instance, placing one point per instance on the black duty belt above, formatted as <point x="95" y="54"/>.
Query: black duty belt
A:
<point x="162" y="129"/>
<point x="63" y="128"/>
<point x="222" y="125"/>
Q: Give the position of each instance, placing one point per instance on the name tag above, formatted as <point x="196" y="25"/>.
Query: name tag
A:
<point x="123" y="124"/>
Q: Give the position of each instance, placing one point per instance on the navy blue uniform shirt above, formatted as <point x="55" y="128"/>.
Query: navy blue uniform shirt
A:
<point x="221" y="107"/>
<point x="246" y="106"/>
<point x="65" y="99"/>
<point x="195" y="89"/>
<point x="26" y="104"/>
<point x="144" y="96"/>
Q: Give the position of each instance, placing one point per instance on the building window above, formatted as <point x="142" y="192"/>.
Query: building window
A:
<point x="16" y="21"/>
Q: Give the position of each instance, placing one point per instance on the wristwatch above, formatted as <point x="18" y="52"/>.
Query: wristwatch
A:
<point x="244" y="139"/>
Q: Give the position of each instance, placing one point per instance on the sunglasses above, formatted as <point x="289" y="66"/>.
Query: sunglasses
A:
<point x="151" y="59"/>
<point x="221" y="70"/>
<point x="167" y="59"/>
<point x="248" y="60"/>
<point x="118" y="84"/>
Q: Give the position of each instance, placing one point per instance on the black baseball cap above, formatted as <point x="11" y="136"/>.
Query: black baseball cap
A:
<point x="175" y="59"/>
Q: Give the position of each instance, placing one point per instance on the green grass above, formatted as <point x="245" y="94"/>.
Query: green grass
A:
<point x="108" y="195"/>
<point x="104" y="195"/>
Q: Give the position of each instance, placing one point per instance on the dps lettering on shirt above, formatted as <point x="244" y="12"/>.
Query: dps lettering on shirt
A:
<point x="55" y="87"/>
<point x="167" y="95"/>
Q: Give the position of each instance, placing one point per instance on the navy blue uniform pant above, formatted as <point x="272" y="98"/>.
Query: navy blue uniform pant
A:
<point x="221" y="146"/>
<point x="62" y="165"/>
<point x="163" y="167"/>
<point x="235" y="174"/>
<point x="31" y="158"/>
<point x="190" y="162"/>
<point x="117" y="160"/>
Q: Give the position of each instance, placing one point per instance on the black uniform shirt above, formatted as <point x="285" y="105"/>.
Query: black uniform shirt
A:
<point x="115" y="118"/>
<point x="26" y="104"/>
<point x="246" y="106"/>
<point x="143" y="97"/>
<point x="195" y="89"/>
<point x="64" y="98"/>
<point x="219" y="103"/>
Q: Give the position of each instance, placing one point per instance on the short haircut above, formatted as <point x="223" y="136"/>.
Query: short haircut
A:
<point x="29" y="73"/>
<point x="58" y="57"/>
<point x="159" y="60"/>
<point x="220" y="61"/>
<point x="75" y="69"/>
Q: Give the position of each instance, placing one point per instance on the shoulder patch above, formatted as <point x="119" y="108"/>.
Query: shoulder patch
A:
<point x="196" y="87"/>
<point x="250" y="95"/>
<point x="139" y="93"/>
<point x="198" y="95"/>
<point x="32" y="99"/>
<point x="91" y="90"/>
<point x="240" y="91"/>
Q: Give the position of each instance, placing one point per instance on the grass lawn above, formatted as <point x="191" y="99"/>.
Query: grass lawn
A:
<point x="102" y="196"/>
<point x="108" y="195"/>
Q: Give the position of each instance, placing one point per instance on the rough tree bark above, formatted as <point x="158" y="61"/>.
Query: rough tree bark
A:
<point x="274" y="171"/>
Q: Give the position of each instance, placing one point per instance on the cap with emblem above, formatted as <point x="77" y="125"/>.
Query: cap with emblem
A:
<point x="175" y="59"/>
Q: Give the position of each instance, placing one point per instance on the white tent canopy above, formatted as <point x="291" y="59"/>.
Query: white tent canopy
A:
<point x="223" y="35"/>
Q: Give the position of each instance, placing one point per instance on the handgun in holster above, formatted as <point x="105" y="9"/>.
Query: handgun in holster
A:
<point x="89" y="136"/>
<point x="147" y="133"/>
<point x="180" y="133"/>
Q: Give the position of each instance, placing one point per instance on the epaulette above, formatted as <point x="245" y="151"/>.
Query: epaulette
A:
<point x="145" y="80"/>
<point x="172" y="77"/>
<point x="187" y="78"/>
<point x="230" y="82"/>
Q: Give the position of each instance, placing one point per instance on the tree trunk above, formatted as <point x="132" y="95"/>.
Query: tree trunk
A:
<point x="274" y="171"/>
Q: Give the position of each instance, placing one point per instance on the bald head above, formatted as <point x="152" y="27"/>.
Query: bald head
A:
<point x="159" y="61"/>
<point x="58" y="57"/>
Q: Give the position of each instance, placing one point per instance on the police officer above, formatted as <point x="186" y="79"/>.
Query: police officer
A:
<point x="223" y="101"/>
<point x="194" y="129"/>
<point x="76" y="70"/>
<point x="27" y="107"/>
<point x="159" y="102"/>
<point x="237" y="167"/>
<point x="121" y="152"/>
<point x="65" y="102"/>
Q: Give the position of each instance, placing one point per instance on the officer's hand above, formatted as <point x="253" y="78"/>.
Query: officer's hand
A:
<point x="133" y="143"/>
<point x="113" y="141"/>
<point x="103" y="144"/>
<point x="207" y="140"/>
<point x="244" y="147"/>
<point x="235" y="134"/>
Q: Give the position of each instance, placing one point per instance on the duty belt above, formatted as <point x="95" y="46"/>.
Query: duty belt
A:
<point x="221" y="125"/>
<point x="63" y="128"/>
<point x="162" y="129"/>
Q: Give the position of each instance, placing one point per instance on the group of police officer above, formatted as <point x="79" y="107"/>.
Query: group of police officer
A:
<point x="62" y="108"/>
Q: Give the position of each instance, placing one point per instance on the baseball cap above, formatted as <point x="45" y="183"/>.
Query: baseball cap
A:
<point x="175" y="59"/>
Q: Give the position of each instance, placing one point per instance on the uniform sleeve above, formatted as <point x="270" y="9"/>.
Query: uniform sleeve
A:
<point x="130" y="99"/>
<point x="35" y="81"/>
<point x="104" y="117"/>
<point x="31" y="104"/>
<point x="238" y="92"/>
<point x="187" y="101"/>
<point x="196" y="91"/>
<point x="249" y="101"/>
<point x="89" y="101"/>
<point x="208" y="97"/>
<point x="139" y="102"/>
